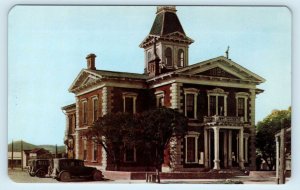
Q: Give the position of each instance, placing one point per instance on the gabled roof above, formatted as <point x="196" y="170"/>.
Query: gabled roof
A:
<point x="221" y="62"/>
<point x="90" y="77"/>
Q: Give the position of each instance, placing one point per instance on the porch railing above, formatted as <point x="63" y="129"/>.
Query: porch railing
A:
<point x="223" y="120"/>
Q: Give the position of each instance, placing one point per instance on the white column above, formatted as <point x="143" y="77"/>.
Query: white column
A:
<point x="225" y="149"/>
<point x="208" y="97"/>
<point x="105" y="101"/>
<point x="241" y="148"/>
<point x="277" y="158"/>
<point x="246" y="149"/>
<point x="237" y="148"/>
<point x="209" y="148"/>
<point x="225" y="106"/>
<point x="229" y="148"/>
<point x="216" y="144"/>
<point x="206" y="148"/>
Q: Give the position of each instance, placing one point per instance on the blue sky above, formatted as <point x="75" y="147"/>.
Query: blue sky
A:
<point x="47" y="46"/>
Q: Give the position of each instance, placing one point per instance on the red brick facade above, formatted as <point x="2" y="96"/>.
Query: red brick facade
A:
<point x="217" y="95"/>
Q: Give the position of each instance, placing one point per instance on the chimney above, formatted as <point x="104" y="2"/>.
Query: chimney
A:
<point x="91" y="61"/>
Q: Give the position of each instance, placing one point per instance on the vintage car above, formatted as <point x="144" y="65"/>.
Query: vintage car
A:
<point x="38" y="167"/>
<point x="65" y="169"/>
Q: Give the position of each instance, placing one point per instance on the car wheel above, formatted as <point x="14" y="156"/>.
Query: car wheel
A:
<point x="97" y="175"/>
<point x="41" y="173"/>
<point x="65" y="176"/>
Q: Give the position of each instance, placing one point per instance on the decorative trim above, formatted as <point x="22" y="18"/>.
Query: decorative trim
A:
<point x="160" y="94"/>
<point x="194" y="92"/>
<point x="245" y="96"/>
<point x="132" y="95"/>
<point x="217" y="92"/>
<point x="195" y="135"/>
<point x="175" y="94"/>
<point x="93" y="101"/>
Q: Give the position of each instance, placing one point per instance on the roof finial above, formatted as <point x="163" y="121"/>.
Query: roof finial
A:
<point x="227" y="52"/>
<point x="168" y="8"/>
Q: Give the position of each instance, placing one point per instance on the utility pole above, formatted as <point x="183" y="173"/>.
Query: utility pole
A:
<point x="12" y="155"/>
<point x="282" y="156"/>
<point x="22" y="165"/>
<point x="56" y="151"/>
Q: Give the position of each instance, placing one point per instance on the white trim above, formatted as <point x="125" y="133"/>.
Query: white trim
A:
<point x="132" y="95"/>
<point x="84" y="115"/>
<point x="206" y="82"/>
<point x="244" y="96"/>
<point x="195" y="135"/>
<point x="194" y="92"/>
<point x="93" y="102"/>
<point x="160" y="94"/>
<point x="217" y="92"/>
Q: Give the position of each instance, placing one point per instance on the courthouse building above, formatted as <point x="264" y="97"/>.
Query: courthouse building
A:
<point x="217" y="95"/>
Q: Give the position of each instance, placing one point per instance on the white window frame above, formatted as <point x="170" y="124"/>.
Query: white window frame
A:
<point x="84" y="101"/>
<point x="245" y="96"/>
<point x="194" y="92"/>
<point x="159" y="95"/>
<point x="179" y="58"/>
<point x="194" y="135"/>
<point x="172" y="57"/>
<point x="93" y="99"/>
<point x="217" y="92"/>
<point x="134" y="154"/>
<point x="129" y="95"/>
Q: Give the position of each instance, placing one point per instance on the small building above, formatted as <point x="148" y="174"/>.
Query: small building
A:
<point x="15" y="158"/>
<point x="38" y="153"/>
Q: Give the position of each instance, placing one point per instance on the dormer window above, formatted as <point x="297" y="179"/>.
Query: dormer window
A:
<point x="168" y="55"/>
<point x="180" y="58"/>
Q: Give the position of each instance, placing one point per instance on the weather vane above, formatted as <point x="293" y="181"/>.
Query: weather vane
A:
<point x="227" y="52"/>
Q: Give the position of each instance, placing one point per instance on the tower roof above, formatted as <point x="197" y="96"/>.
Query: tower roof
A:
<point x="166" y="21"/>
<point x="166" y="26"/>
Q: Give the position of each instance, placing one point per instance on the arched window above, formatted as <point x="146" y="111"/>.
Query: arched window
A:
<point x="168" y="56"/>
<point x="180" y="58"/>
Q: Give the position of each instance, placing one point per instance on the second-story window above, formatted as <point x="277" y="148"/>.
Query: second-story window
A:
<point x="191" y="102"/>
<point x="84" y="112"/>
<point x="95" y="108"/>
<point x="241" y="105"/>
<point x="129" y="102"/>
<point x="217" y="102"/>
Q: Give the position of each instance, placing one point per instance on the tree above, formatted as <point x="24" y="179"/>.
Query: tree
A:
<point x="158" y="128"/>
<point x="112" y="131"/>
<point x="265" y="134"/>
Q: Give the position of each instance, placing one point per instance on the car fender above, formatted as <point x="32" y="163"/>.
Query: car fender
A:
<point x="58" y="175"/>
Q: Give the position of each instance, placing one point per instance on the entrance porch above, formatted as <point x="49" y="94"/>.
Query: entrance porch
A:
<point x="225" y="143"/>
